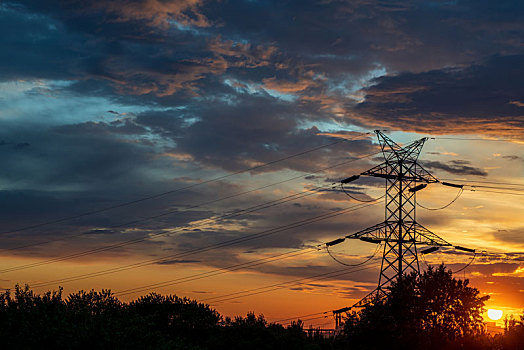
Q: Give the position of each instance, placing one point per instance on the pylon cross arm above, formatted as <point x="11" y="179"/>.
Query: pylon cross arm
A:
<point x="415" y="173"/>
<point x="379" y="233"/>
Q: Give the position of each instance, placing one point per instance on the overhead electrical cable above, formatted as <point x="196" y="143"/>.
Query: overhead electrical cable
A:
<point x="155" y="196"/>
<point x="295" y="318"/>
<point x="459" y="193"/>
<point x="307" y="192"/>
<point x="219" y="271"/>
<point x="125" y="243"/>
<point x="194" y="206"/>
<point x="311" y="319"/>
<point x="473" y="139"/>
<point x="278" y="286"/>
<point x="137" y="240"/>
<point x="236" y="267"/>
<point x="498" y="192"/>
<point x="357" y="199"/>
<point x="467" y="265"/>
<point x="182" y="229"/>
<point x="209" y="247"/>
<point x="495" y="187"/>
<point x="357" y="264"/>
<point x="485" y="182"/>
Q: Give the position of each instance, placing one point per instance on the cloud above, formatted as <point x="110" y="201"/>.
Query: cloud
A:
<point x="177" y="261"/>
<point x="513" y="157"/>
<point x="458" y="167"/>
<point x="472" y="100"/>
<point x="157" y="13"/>
<point x="100" y="231"/>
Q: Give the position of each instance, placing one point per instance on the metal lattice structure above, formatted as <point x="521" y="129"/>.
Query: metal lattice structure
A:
<point x="399" y="232"/>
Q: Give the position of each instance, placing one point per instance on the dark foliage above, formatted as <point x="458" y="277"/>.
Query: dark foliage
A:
<point x="513" y="338"/>
<point x="98" y="320"/>
<point x="430" y="311"/>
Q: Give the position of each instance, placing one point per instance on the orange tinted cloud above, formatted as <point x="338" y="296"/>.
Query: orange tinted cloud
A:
<point x="242" y="54"/>
<point x="157" y="12"/>
<point x="286" y="86"/>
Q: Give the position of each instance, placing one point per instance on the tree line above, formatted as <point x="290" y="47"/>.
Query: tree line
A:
<point x="429" y="311"/>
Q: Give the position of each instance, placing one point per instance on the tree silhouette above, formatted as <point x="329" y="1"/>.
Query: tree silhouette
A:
<point x="176" y="320"/>
<point x="431" y="311"/>
<point x="514" y="334"/>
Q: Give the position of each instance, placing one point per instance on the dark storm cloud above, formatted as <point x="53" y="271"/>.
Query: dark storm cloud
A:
<point x="257" y="129"/>
<point x="404" y="35"/>
<point x="35" y="46"/>
<point x="458" y="167"/>
<point x="476" y="99"/>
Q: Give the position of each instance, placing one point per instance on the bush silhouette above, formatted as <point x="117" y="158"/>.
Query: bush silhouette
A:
<point x="428" y="311"/>
<point x="432" y="310"/>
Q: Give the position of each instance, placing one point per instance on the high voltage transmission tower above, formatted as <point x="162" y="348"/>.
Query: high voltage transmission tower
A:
<point x="399" y="232"/>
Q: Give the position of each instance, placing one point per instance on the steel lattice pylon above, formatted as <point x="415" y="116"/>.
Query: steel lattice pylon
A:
<point x="400" y="231"/>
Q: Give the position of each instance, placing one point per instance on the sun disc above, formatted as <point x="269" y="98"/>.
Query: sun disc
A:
<point x="494" y="314"/>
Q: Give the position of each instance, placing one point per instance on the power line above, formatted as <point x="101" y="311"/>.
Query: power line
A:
<point x="195" y="206"/>
<point x="459" y="193"/>
<point x="357" y="199"/>
<point x="176" y="211"/>
<point x="143" y="199"/>
<point x="486" y="182"/>
<point x="202" y="223"/>
<point x="309" y="319"/>
<point x="298" y="317"/>
<point x="473" y="139"/>
<point x="322" y="312"/>
<point x="209" y="247"/>
<point x="319" y="326"/>
<point x="499" y="192"/>
<point x="137" y="240"/>
<point x="219" y="271"/>
<point x="358" y="264"/>
<point x="278" y="286"/>
<point x="467" y="265"/>
<point x="474" y="187"/>
<point x="234" y="268"/>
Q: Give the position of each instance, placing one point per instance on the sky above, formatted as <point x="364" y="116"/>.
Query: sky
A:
<point x="167" y="112"/>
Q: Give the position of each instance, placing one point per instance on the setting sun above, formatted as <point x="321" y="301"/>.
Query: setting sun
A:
<point x="494" y="314"/>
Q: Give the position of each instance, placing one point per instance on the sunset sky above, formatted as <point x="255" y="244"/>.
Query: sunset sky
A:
<point x="163" y="111"/>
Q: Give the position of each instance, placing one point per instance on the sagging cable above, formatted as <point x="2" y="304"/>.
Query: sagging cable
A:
<point x="359" y="200"/>
<point x="461" y="190"/>
<point x="468" y="264"/>
<point x="358" y="264"/>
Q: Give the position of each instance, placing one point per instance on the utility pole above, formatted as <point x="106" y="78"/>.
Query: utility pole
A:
<point x="399" y="232"/>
